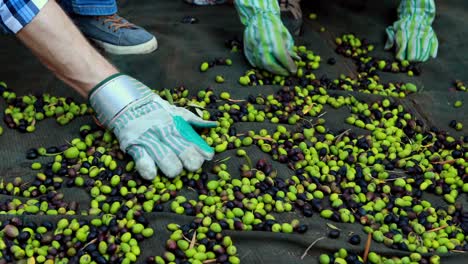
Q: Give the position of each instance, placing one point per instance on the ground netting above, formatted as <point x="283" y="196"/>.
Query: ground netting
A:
<point x="347" y="154"/>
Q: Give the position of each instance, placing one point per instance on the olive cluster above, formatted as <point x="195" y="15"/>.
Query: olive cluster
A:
<point x="100" y="240"/>
<point x="304" y="75"/>
<point x="351" y="46"/>
<point x="367" y="81"/>
<point x="241" y="204"/>
<point x="374" y="173"/>
<point x="362" y="177"/>
<point x="216" y="62"/>
<point x="343" y="256"/>
<point x="344" y="176"/>
<point x="197" y="243"/>
<point x="48" y="202"/>
<point x="22" y="113"/>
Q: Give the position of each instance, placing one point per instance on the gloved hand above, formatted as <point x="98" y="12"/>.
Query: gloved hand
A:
<point x="267" y="42"/>
<point x="412" y="34"/>
<point x="154" y="132"/>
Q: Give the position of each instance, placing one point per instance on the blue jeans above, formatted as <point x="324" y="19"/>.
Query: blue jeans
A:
<point x="89" y="7"/>
<point x="80" y="7"/>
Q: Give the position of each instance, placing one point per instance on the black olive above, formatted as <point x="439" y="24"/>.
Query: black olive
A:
<point x="334" y="233"/>
<point x="32" y="154"/>
<point x="52" y="150"/>
<point x="354" y="239"/>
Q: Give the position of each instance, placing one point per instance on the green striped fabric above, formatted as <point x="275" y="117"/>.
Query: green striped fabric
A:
<point x="412" y="35"/>
<point x="267" y="42"/>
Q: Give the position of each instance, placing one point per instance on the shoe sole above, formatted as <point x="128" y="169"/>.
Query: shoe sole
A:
<point x="143" y="48"/>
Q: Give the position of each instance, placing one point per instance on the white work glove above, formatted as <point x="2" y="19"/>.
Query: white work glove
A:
<point x="155" y="133"/>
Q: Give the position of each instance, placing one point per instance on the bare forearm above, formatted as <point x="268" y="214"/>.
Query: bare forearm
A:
<point x="55" y="40"/>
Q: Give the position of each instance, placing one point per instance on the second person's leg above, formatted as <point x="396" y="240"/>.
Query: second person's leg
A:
<point x="98" y="20"/>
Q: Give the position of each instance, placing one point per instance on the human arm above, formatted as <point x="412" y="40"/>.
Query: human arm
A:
<point x="61" y="47"/>
<point x="155" y="133"/>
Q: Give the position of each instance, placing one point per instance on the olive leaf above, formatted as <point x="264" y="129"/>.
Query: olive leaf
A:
<point x="195" y="106"/>
<point x="307" y="109"/>
<point x="168" y="96"/>
<point x="199" y="112"/>
<point x="332" y="226"/>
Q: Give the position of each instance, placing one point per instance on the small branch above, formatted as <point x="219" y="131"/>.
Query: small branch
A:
<point x="235" y="101"/>
<point x="209" y="261"/>
<point x="194" y="238"/>
<point x="89" y="243"/>
<point x="437" y="229"/>
<point x="322" y="114"/>
<point x="310" y="246"/>
<point x="186" y="238"/>
<point x="264" y="138"/>
<point x="366" y="250"/>
<point x="444" y="162"/>
<point x="222" y="160"/>
<point x="397" y="172"/>
<point x="394" y="179"/>
<point x="338" y="138"/>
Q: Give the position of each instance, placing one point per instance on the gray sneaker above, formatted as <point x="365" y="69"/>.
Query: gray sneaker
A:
<point x="116" y="35"/>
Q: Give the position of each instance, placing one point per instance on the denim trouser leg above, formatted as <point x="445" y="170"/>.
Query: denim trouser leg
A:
<point x="90" y="7"/>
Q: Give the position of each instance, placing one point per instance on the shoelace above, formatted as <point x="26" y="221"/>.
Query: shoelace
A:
<point x="294" y="6"/>
<point x="116" y="22"/>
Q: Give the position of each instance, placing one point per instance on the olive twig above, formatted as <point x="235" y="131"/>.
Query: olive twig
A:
<point x="310" y="246"/>
<point x="209" y="261"/>
<point x="235" y="101"/>
<point x="388" y="180"/>
<point x="397" y="172"/>
<point x="322" y="114"/>
<point x="222" y="160"/>
<point x="366" y="250"/>
<point x="428" y="145"/>
<point x="194" y="238"/>
<point x="445" y="162"/>
<point x="338" y="138"/>
<point x="437" y="229"/>
<point x="190" y="188"/>
<point x="308" y="121"/>
<point x="187" y="239"/>
<point x="26" y="183"/>
<point x="264" y="138"/>
<point x="89" y="243"/>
